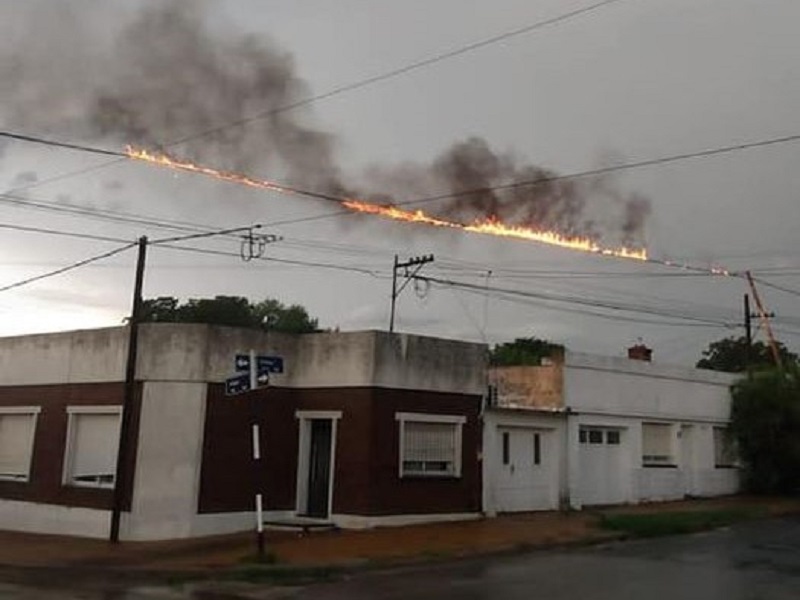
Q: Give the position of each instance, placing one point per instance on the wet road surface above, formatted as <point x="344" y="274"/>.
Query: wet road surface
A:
<point x="751" y="561"/>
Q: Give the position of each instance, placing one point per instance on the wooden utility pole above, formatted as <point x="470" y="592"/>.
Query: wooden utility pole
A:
<point x="121" y="476"/>
<point x="748" y="334"/>
<point x="764" y="317"/>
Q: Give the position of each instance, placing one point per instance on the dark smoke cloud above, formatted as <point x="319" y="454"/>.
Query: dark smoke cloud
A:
<point x="167" y="75"/>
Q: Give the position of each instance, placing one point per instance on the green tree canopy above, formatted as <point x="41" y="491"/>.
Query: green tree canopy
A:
<point x="730" y="354"/>
<point x="236" y="311"/>
<point x="765" y="423"/>
<point x="523" y="351"/>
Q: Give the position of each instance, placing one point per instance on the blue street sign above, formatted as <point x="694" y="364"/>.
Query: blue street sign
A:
<point x="237" y="384"/>
<point x="269" y="364"/>
<point x="264" y="364"/>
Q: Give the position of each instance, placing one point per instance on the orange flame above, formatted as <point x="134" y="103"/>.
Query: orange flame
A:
<point x="166" y="161"/>
<point x="495" y="227"/>
<point x="485" y="226"/>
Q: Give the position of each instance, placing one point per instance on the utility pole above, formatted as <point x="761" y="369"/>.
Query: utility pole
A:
<point x="764" y="317"/>
<point x="121" y="477"/>
<point x="748" y="333"/>
<point x="418" y="262"/>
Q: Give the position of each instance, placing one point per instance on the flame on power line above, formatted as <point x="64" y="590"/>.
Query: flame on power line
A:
<point x="491" y="226"/>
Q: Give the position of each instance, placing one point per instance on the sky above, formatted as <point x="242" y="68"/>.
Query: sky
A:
<point x="628" y="81"/>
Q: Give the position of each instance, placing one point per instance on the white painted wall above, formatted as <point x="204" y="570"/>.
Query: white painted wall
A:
<point x="168" y="460"/>
<point x="57" y="520"/>
<point x="603" y="390"/>
<point x="552" y="428"/>
<point x="85" y="356"/>
<point x="624" y="387"/>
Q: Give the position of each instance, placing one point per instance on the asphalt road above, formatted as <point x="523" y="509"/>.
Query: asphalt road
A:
<point x="751" y="561"/>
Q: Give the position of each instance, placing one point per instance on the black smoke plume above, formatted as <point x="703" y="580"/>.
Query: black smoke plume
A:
<point x="168" y="79"/>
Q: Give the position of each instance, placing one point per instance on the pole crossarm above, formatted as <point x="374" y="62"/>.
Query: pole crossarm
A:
<point x="416" y="261"/>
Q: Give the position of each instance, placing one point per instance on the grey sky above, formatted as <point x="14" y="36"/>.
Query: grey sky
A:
<point x="634" y="80"/>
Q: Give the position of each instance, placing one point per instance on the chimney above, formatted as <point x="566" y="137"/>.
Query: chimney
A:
<point x="640" y="352"/>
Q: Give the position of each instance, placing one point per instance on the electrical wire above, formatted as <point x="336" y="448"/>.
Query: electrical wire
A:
<point x="37" y="140"/>
<point x="775" y="286"/>
<point x="61" y="270"/>
<point x="518" y="184"/>
<point x="594" y="303"/>
<point x="72" y="234"/>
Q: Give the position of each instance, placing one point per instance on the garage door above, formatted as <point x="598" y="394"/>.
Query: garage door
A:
<point x="527" y="477"/>
<point x="602" y="476"/>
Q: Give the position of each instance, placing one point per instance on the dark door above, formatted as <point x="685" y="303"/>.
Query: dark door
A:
<point x="319" y="468"/>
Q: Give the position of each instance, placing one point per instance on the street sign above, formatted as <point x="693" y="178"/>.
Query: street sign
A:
<point x="264" y="364"/>
<point x="246" y="380"/>
<point x="269" y="364"/>
<point x="237" y="384"/>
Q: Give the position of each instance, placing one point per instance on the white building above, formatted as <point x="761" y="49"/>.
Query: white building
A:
<point x="590" y="430"/>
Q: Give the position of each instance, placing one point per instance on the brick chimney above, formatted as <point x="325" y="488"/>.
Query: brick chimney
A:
<point x="640" y="352"/>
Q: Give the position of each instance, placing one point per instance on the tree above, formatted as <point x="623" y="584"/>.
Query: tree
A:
<point x="236" y="311"/>
<point x="277" y="317"/>
<point x="765" y="424"/>
<point x="523" y="351"/>
<point x="730" y="354"/>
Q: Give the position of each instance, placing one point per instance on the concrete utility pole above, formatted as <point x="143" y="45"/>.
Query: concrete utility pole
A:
<point x="418" y="262"/>
<point x="121" y="476"/>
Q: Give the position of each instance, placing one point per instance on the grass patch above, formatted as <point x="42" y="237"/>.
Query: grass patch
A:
<point x="672" y="523"/>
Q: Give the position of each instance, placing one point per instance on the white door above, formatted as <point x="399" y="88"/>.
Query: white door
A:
<point x="602" y="476"/>
<point x="525" y="478"/>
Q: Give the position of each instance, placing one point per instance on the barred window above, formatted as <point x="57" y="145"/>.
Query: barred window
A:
<point x="430" y="445"/>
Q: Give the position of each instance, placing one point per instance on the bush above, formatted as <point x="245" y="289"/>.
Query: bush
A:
<point x="765" y="424"/>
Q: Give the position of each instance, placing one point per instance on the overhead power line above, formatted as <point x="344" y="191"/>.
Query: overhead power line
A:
<point x="638" y="164"/>
<point x="775" y="286"/>
<point x="57" y="144"/>
<point x="61" y="270"/>
<point x="60" y="232"/>
<point x="593" y="303"/>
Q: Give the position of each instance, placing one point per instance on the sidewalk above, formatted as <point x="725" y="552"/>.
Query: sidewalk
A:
<point x="205" y="556"/>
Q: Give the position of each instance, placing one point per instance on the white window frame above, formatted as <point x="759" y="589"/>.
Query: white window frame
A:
<point x="100" y="409"/>
<point x="407" y="417"/>
<point x="305" y="417"/>
<point x="33" y="413"/>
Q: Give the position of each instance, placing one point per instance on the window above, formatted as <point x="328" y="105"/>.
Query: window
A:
<point x="612" y="437"/>
<point x="657" y="445"/>
<point x="583" y="436"/>
<point x="17" y="429"/>
<point x="506" y="448"/>
<point x="537" y="449"/>
<point x="430" y="445"/>
<point x="724" y="448"/>
<point x="595" y="436"/>
<point x="92" y="444"/>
